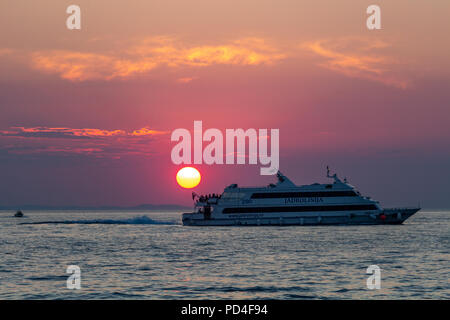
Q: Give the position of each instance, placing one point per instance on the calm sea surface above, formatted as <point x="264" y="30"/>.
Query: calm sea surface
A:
<point x="149" y="255"/>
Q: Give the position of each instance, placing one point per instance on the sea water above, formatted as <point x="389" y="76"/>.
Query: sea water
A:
<point x="150" y="255"/>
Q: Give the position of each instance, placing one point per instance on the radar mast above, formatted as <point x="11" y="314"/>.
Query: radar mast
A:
<point x="334" y="176"/>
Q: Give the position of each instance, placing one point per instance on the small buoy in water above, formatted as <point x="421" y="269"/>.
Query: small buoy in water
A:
<point x="19" y="214"/>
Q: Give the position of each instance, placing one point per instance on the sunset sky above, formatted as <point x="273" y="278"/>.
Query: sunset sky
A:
<point x="86" y="115"/>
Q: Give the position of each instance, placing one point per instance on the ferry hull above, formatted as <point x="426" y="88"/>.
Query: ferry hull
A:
<point x="387" y="216"/>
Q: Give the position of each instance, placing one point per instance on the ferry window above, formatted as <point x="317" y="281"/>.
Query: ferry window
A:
<point x="300" y="208"/>
<point x="233" y="195"/>
<point x="306" y="194"/>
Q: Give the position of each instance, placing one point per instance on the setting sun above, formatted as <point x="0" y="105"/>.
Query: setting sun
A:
<point x="188" y="177"/>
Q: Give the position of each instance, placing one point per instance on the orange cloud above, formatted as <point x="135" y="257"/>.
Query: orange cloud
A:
<point x="146" y="131"/>
<point x="91" y="142"/>
<point x="77" y="66"/>
<point x="70" y="132"/>
<point x="186" y="79"/>
<point x="61" y="132"/>
<point x="150" y="53"/>
<point x="358" y="58"/>
<point x="248" y="51"/>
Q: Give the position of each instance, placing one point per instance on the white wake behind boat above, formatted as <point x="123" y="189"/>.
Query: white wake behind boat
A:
<point x="285" y="203"/>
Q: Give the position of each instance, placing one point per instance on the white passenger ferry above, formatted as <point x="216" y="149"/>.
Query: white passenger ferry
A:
<point x="285" y="203"/>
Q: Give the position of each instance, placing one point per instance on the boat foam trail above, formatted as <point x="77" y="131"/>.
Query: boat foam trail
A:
<point x="135" y="220"/>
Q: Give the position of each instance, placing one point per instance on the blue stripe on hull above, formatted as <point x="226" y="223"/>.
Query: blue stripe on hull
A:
<point x="302" y="221"/>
